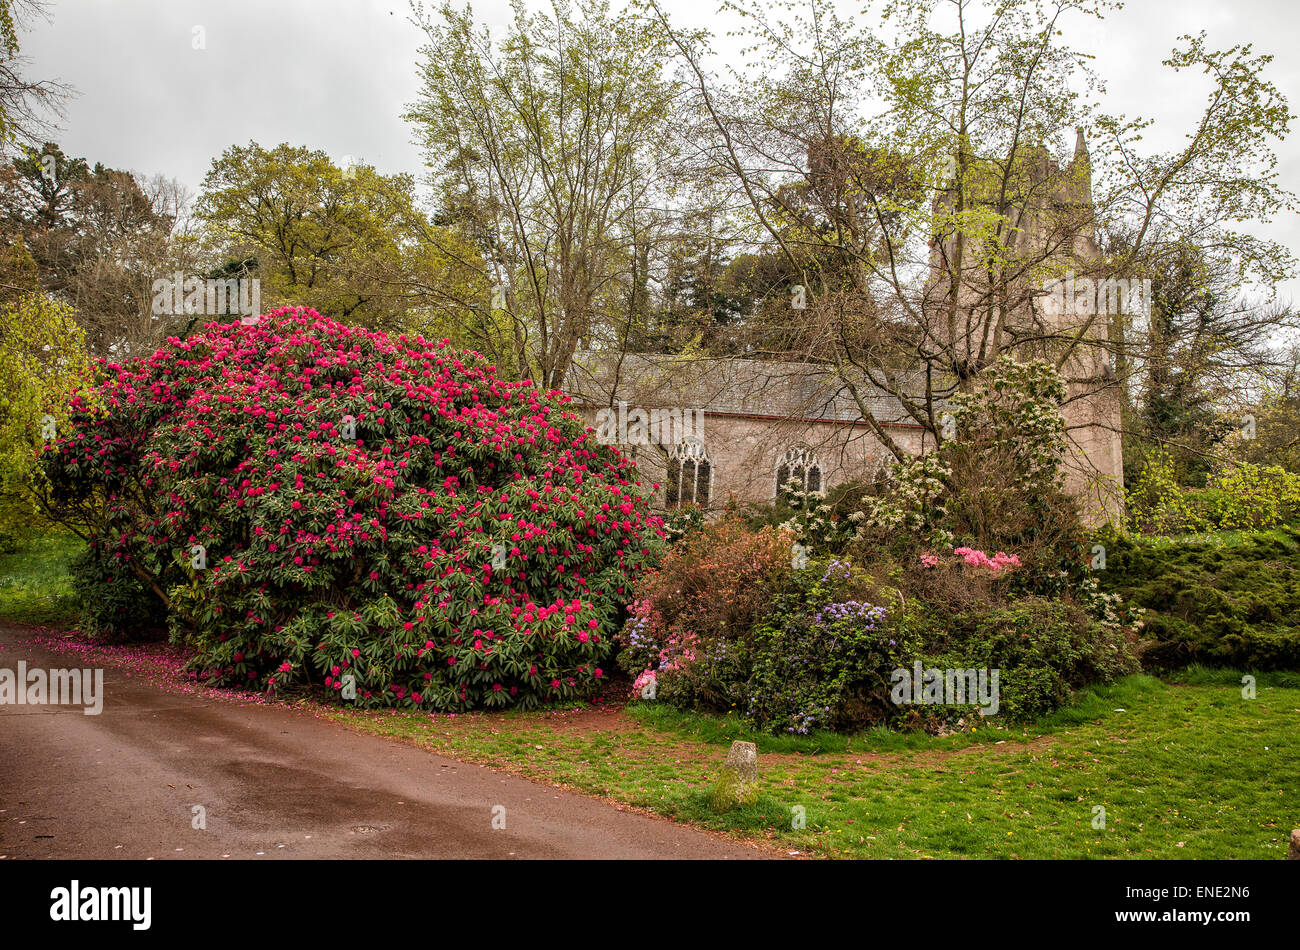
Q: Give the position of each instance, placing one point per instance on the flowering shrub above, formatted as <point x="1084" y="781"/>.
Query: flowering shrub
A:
<point x="647" y="678"/>
<point x="1009" y="437"/>
<point x="830" y="671"/>
<point x="317" y="504"/>
<point x="812" y="520"/>
<point x="121" y="606"/>
<point x="998" y="562"/>
<point x="682" y="521"/>
<point x="913" y="503"/>
<point x="960" y="579"/>
<point x="714" y="584"/>
<point x="727" y="624"/>
<point x="995" y="480"/>
<point x="1107" y="608"/>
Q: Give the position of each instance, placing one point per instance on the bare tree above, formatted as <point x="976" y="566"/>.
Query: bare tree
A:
<point x="552" y="148"/>
<point x="27" y="106"/>
<point x="917" y="180"/>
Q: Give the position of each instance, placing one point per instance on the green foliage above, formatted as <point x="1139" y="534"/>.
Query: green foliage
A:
<point x="824" y="673"/>
<point x="995" y="484"/>
<point x="1043" y="649"/>
<point x="1251" y="497"/>
<point x="1219" y="604"/>
<point x="348" y="242"/>
<point x="46" y="185"/>
<point x="1243" y="496"/>
<point x="42" y="359"/>
<point x="1157" y="503"/>
<point x="8" y="31"/>
<point x="912" y="508"/>
<point x="35" y="581"/>
<point x="817" y="656"/>
<point x="682" y="521"/>
<point x="113" y="603"/>
<point x="730" y="623"/>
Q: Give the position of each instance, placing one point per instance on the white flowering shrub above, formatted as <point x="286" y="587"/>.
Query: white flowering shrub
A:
<point x="997" y="482"/>
<point x="812" y="521"/>
<point x="913" y="503"/>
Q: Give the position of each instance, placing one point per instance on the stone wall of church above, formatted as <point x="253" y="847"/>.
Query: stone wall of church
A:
<point x="744" y="454"/>
<point x="1094" y="464"/>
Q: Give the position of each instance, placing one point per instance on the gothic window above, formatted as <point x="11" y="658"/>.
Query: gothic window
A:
<point x="690" y="475"/>
<point x="801" y="466"/>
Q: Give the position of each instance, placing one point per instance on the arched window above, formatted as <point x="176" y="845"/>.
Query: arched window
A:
<point x="801" y="466"/>
<point x="690" y="475"/>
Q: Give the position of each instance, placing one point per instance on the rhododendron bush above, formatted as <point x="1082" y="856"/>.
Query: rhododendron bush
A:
<point x="741" y="621"/>
<point x="317" y="504"/>
<point x="726" y="622"/>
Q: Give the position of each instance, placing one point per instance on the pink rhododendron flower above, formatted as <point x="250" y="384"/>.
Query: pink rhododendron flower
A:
<point x="243" y="433"/>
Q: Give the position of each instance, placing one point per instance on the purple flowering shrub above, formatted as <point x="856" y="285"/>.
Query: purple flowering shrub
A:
<point x="824" y="659"/>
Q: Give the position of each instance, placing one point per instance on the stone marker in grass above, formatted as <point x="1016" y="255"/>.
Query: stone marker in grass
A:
<point x="738" y="782"/>
<point x="1294" y="854"/>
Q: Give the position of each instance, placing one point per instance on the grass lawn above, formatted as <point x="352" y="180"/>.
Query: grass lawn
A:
<point x="1185" y="769"/>
<point x="35" y="586"/>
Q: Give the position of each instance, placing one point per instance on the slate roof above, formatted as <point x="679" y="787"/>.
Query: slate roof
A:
<point x="729" y="386"/>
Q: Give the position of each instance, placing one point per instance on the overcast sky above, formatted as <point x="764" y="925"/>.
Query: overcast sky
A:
<point x="336" y="75"/>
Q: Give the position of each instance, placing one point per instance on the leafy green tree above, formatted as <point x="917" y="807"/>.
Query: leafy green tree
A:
<point x="42" y="359"/>
<point x="1200" y="346"/>
<point x="47" y="186"/>
<point x="348" y="242"/>
<point x="18" y="271"/>
<point x="838" y="131"/>
<point x="1267" y="431"/>
<point x="98" y="238"/>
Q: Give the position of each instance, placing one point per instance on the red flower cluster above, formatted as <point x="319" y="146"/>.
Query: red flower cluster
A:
<point x="323" y="504"/>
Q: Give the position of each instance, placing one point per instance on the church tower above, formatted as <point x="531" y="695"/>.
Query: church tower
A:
<point x="1031" y="282"/>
